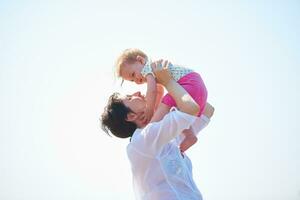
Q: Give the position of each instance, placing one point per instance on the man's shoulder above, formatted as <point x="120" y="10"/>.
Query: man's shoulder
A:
<point x="141" y="143"/>
<point x="140" y="134"/>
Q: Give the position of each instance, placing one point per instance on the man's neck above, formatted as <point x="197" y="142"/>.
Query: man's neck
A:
<point x="140" y="124"/>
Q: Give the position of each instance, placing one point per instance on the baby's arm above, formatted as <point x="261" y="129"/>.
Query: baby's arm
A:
<point x="159" y="95"/>
<point x="150" y="96"/>
<point x="160" y="109"/>
<point x="160" y="112"/>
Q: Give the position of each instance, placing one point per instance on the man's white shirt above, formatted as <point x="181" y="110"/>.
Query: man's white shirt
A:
<point x="160" y="171"/>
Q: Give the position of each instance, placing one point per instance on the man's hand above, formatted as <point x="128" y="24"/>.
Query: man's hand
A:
<point x="162" y="74"/>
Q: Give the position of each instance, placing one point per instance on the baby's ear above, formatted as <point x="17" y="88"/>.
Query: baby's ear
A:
<point x="140" y="59"/>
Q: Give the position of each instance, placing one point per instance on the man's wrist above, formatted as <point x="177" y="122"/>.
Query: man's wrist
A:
<point x="169" y="84"/>
<point x="150" y="108"/>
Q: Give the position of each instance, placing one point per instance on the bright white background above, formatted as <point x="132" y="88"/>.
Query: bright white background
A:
<point x="56" y="73"/>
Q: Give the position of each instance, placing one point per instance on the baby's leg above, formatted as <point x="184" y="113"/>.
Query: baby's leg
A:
<point x="189" y="140"/>
<point x="160" y="112"/>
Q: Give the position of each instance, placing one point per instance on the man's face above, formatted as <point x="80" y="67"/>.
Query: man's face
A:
<point x="136" y="102"/>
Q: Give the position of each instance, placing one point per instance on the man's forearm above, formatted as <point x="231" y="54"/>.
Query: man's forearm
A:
<point x="184" y="101"/>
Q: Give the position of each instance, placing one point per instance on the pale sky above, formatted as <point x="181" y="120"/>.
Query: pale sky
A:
<point x="56" y="62"/>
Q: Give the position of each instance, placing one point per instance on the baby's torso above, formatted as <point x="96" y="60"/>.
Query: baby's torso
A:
<point x="177" y="71"/>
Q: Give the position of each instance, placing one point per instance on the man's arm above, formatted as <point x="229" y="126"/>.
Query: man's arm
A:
<point x="202" y="121"/>
<point x="183" y="100"/>
<point x="158" y="134"/>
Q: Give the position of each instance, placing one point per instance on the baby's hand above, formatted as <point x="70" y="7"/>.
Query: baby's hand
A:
<point x="148" y="114"/>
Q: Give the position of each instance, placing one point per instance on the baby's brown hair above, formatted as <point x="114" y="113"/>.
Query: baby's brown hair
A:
<point x="128" y="56"/>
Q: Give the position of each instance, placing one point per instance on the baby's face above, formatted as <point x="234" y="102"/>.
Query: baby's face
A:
<point x="132" y="72"/>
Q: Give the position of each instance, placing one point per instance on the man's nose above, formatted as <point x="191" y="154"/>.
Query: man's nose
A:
<point x="137" y="94"/>
<point x="138" y="81"/>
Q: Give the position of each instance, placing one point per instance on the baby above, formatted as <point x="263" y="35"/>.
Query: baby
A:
<point x="134" y="65"/>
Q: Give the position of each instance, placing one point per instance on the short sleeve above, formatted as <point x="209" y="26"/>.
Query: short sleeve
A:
<point x="157" y="134"/>
<point x="200" y="123"/>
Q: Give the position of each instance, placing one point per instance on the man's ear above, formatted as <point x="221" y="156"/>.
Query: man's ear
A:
<point x="141" y="59"/>
<point x="131" y="117"/>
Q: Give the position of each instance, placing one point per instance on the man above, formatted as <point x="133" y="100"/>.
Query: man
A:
<point x="160" y="170"/>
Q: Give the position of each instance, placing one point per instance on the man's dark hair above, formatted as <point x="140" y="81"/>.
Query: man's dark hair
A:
<point x="113" y="119"/>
